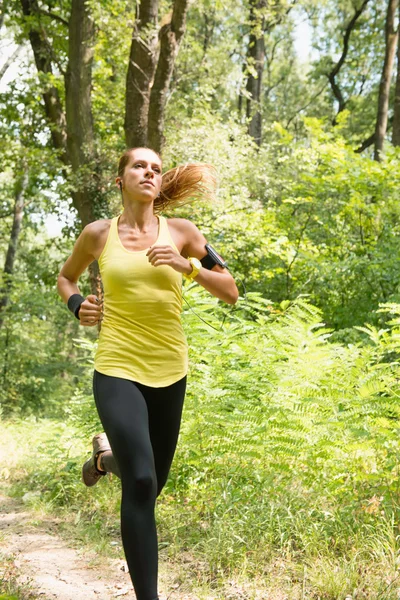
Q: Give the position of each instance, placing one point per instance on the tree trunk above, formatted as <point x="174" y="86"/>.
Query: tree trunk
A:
<point x="396" y="116"/>
<point x="19" y="191"/>
<point x="256" y="60"/>
<point x="42" y="53"/>
<point x="142" y="64"/>
<point x="241" y="95"/>
<point x="78" y="84"/>
<point x="87" y="197"/>
<point x="384" y="89"/>
<point x="337" y="92"/>
<point x="170" y="38"/>
<point x="71" y="130"/>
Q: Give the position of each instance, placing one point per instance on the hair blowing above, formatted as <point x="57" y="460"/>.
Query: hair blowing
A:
<point x="181" y="184"/>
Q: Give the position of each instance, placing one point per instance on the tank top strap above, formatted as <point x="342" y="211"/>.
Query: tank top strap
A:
<point x="165" y="236"/>
<point x="112" y="238"/>
<point x="113" y="233"/>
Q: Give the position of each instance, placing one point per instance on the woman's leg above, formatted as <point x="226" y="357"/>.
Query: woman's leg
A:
<point x="108" y="463"/>
<point x="123" y="412"/>
<point x="164" y="406"/>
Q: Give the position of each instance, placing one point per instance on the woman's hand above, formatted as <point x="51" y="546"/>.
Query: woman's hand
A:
<point x="166" y="255"/>
<point x="90" y="311"/>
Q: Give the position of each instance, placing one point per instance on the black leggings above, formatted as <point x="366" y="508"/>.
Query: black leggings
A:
<point x="142" y="425"/>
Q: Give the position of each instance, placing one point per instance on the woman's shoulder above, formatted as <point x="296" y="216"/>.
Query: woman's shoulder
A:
<point x="95" y="235"/>
<point x="181" y="225"/>
<point x="96" y="228"/>
<point x="186" y="235"/>
<point x="182" y="229"/>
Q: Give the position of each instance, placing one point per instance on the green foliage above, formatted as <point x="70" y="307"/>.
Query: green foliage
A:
<point x="288" y="442"/>
<point x="299" y="217"/>
<point x="10" y="588"/>
<point x="358" y="79"/>
<point x="289" y="447"/>
<point x="38" y="364"/>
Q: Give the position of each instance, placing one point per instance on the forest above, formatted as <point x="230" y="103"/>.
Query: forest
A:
<point x="285" y="484"/>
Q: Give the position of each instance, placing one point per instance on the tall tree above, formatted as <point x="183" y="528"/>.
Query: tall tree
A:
<point x="72" y="126"/>
<point x="171" y="34"/>
<point x="78" y="87"/>
<point x="141" y="68"/>
<point x="391" y="35"/>
<point x="396" y="115"/>
<point x="150" y="71"/>
<point x="43" y="58"/>
<point x="352" y="32"/>
<point x="255" y="68"/>
<point x="18" y="213"/>
<point x="331" y="75"/>
<point x="264" y="15"/>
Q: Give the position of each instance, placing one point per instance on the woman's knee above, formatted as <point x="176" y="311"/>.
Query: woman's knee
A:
<point x="143" y="487"/>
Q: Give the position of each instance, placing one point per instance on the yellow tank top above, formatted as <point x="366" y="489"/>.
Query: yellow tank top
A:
<point x="141" y="336"/>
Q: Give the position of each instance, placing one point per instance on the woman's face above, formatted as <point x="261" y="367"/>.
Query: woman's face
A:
<point x="142" y="175"/>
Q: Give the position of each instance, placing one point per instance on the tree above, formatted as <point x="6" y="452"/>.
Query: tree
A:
<point x="255" y="68"/>
<point x="18" y="212"/>
<point x="396" y="117"/>
<point x="72" y="126"/>
<point x="149" y="77"/>
<point x="337" y="92"/>
<point x="264" y="16"/>
<point x="141" y="67"/>
<point x="171" y="34"/>
<point x="352" y="32"/>
<point x="391" y="35"/>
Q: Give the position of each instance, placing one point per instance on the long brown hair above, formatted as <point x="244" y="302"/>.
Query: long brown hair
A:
<point x="181" y="184"/>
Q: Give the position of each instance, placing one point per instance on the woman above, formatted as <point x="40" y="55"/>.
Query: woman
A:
<point x="141" y="362"/>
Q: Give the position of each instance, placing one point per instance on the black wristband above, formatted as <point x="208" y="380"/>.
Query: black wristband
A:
<point x="74" y="304"/>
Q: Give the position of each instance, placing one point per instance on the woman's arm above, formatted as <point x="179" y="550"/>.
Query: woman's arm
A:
<point x="219" y="282"/>
<point x="83" y="254"/>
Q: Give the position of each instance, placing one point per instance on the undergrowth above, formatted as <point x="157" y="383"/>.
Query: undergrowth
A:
<point x="10" y="587"/>
<point x="287" y="467"/>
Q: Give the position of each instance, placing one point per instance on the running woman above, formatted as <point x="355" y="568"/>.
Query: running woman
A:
<point x="141" y="362"/>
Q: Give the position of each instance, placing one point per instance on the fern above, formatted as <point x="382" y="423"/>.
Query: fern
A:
<point x="277" y="411"/>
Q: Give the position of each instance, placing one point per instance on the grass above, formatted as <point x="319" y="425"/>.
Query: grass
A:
<point x="10" y="587"/>
<point x="221" y="532"/>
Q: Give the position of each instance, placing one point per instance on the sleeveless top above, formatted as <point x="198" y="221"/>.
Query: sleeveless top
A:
<point x="141" y="336"/>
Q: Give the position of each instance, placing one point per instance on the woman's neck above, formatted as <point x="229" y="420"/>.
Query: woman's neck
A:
<point x="139" y="216"/>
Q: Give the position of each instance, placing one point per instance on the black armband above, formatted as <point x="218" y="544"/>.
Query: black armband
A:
<point x="74" y="304"/>
<point x="212" y="258"/>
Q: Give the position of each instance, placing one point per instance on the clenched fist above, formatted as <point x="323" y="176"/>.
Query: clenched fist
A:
<point x="90" y="311"/>
<point x="166" y="255"/>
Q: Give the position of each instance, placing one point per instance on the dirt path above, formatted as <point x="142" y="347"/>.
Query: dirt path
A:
<point x="53" y="569"/>
<point x="41" y="558"/>
<point x="37" y="557"/>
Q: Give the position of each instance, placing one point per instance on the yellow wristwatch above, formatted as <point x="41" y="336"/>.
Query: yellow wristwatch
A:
<point x="196" y="266"/>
